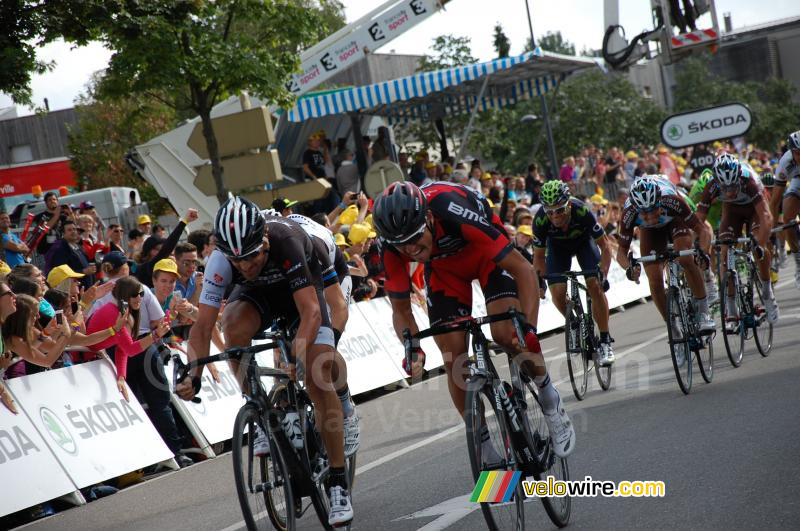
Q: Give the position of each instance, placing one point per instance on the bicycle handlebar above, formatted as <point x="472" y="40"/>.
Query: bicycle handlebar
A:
<point x="664" y="255"/>
<point x="467" y="323"/>
<point x="731" y="241"/>
<point x="573" y="274"/>
<point x="780" y="228"/>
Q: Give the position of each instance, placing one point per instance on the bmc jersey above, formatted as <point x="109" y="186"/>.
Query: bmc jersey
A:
<point x="293" y="264"/>
<point x="582" y="224"/>
<point x="461" y="217"/>
<point x="673" y="206"/>
<point x="750" y="193"/>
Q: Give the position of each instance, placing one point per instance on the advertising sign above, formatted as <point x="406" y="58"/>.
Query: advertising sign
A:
<point x="706" y="125"/>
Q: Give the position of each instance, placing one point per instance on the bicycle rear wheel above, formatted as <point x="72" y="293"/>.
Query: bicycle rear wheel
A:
<point x="576" y="360"/>
<point x="677" y="327"/>
<point x="734" y="341"/>
<point x="262" y="483"/>
<point x="705" y="358"/>
<point x="490" y="449"/>
<point x="558" y="509"/>
<point x="763" y="328"/>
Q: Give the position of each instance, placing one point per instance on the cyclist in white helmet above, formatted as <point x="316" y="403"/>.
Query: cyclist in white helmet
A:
<point x="787" y="189"/>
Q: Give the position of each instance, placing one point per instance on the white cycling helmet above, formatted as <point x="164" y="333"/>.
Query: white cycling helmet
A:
<point x="727" y="169"/>
<point x="239" y="228"/>
<point x="794" y="140"/>
<point x="645" y="193"/>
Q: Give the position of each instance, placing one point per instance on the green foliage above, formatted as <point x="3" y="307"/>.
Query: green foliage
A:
<point x="553" y="42"/>
<point x="501" y="43"/>
<point x="106" y="130"/>
<point x="771" y="102"/>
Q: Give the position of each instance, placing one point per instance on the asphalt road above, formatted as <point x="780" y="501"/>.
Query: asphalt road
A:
<point x="727" y="453"/>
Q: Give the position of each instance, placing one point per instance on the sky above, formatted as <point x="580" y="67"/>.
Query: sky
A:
<point x="579" y="21"/>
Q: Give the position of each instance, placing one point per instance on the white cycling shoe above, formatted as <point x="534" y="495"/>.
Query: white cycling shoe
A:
<point x="605" y="356"/>
<point x="341" y="511"/>
<point x="260" y="443"/>
<point x="705" y="323"/>
<point x="352" y="434"/>
<point x="562" y="434"/>
<point x="773" y="313"/>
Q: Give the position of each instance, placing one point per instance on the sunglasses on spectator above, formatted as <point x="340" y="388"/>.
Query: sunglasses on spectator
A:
<point x="556" y="211"/>
<point x="140" y="294"/>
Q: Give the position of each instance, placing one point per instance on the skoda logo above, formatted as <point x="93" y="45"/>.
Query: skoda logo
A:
<point x="58" y="431"/>
<point x="674" y="132"/>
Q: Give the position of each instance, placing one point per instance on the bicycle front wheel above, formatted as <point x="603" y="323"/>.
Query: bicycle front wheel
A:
<point x="558" y="509"/>
<point x="577" y="362"/>
<point x="763" y="328"/>
<point x="262" y="482"/>
<point x="705" y="358"/>
<point x="733" y="338"/>
<point x="677" y="327"/>
<point x="490" y="449"/>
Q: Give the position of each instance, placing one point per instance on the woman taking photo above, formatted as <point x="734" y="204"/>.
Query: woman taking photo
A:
<point x="127" y="301"/>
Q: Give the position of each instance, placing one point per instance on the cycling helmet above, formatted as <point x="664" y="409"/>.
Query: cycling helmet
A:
<point x="645" y="193"/>
<point x="793" y="142"/>
<point x="554" y="192"/>
<point x="239" y="228"/>
<point x="400" y="212"/>
<point x="768" y="179"/>
<point x="727" y="169"/>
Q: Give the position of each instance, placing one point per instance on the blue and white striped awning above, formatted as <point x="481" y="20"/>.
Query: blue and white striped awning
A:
<point x="429" y="95"/>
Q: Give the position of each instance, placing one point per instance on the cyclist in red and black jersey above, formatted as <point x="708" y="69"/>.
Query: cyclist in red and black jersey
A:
<point x="452" y="230"/>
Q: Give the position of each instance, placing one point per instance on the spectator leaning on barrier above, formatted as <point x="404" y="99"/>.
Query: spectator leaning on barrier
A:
<point x="26" y="342"/>
<point x="165" y="277"/>
<point x="69" y="251"/>
<point x="33" y="273"/>
<point x="65" y="279"/>
<point x="13" y="249"/>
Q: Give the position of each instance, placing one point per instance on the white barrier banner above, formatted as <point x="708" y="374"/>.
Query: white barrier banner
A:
<point x="31" y="474"/>
<point x="93" y="432"/>
<point x="370" y="363"/>
<point x="378" y="314"/>
<point x="219" y="402"/>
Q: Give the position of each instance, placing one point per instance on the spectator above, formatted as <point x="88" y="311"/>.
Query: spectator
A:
<point x="135" y="242"/>
<point x="165" y="277"/>
<point x="61" y="301"/>
<point x="33" y="273"/>
<point x="69" y="251"/>
<point x="283" y="206"/>
<point x="522" y="216"/>
<point x="632" y="162"/>
<point x="87" y="208"/>
<point x="52" y="220"/>
<point x="533" y="182"/>
<point x="188" y="277"/>
<point x="8" y="305"/>
<point x="144" y="224"/>
<point x="523" y="240"/>
<point x="314" y="159"/>
<point x="114" y="239"/>
<point x="431" y="172"/>
<point x="27" y="343"/>
<point x="347" y="177"/>
<point x="65" y="279"/>
<point x="159" y="231"/>
<point x="613" y="164"/>
<point x="155" y="248"/>
<point x="567" y="172"/>
<point x="205" y="243"/>
<point x="89" y="242"/>
<point x="382" y="147"/>
<point x="14" y="250"/>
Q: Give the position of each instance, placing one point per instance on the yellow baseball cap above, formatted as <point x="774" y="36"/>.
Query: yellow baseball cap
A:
<point x="349" y="216"/>
<point x="429" y="165"/>
<point x="339" y="237"/>
<point x="4" y="268"/>
<point x="59" y="274"/>
<point x="360" y="232"/>
<point x="168" y="265"/>
<point x="485" y="176"/>
<point x="631" y="155"/>
<point x="599" y="199"/>
<point x="144" y="218"/>
<point x="527" y="230"/>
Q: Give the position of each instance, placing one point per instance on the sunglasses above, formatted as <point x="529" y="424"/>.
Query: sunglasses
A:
<point x="140" y="294"/>
<point x="555" y="211"/>
<point x="240" y="259"/>
<point x="410" y="240"/>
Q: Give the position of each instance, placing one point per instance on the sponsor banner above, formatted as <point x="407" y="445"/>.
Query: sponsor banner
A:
<point x="90" y="428"/>
<point x="706" y="125"/>
<point x="352" y="47"/>
<point x="31" y="474"/>
<point x="378" y="314"/>
<point x="219" y="402"/>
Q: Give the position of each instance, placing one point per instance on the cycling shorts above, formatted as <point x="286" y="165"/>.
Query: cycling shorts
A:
<point x="449" y="286"/>
<point x="792" y="188"/>
<point x="559" y="257"/>
<point x="270" y="307"/>
<point x="735" y="218"/>
<point x="657" y="238"/>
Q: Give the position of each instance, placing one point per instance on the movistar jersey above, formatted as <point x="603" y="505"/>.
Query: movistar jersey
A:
<point x="582" y="224"/>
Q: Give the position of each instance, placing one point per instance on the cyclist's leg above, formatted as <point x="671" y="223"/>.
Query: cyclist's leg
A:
<point x="246" y="314"/>
<point x="655" y="240"/>
<point x="588" y="255"/>
<point x="558" y="259"/>
<point x="683" y="239"/>
<point x="791" y="207"/>
<point x="728" y="231"/>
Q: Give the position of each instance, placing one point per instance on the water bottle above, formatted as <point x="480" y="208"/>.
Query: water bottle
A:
<point x="291" y="427"/>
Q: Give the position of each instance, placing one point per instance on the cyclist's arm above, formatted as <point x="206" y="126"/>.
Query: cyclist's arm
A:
<point x="702" y="230"/>
<point x="605" y="254"/>
<point x="765" y="220"/>
<point x="527" y="286"/>
<point x="310" y="318"/>
<point x="402" y="316"/>
<point x="338" y="306"/>
<point x="539" y="263"/>
<point x="776" y="197"/>
<point x="201" y="332"/>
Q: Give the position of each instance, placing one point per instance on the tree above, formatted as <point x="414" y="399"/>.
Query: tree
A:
<point x="501" y="43"/>
<point x="553" y="42"/>
<point x="105" y="132"/>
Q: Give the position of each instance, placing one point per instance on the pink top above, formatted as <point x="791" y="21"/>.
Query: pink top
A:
<point x="102" y="319"/>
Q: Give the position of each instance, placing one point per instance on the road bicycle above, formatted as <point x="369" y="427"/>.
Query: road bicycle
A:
<point x="683" y="331"/>
<point x="749" y="321"/>
<point x="582" y="341"/>
<point x="512" y="415"/>
<point x="274" y="484"/>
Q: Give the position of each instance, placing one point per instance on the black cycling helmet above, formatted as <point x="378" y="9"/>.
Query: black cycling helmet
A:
<point x="239" y="228"/>
<point x="399" y="212"/>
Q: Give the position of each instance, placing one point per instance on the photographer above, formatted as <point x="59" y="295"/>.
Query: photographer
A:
<point x="51" y="220"/>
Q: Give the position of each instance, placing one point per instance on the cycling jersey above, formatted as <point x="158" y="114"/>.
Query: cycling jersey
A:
<point x="675" y="212"/>
<point x="788" y="172"/>
<point x="468" y="241"/>
<point x="750" y="190"/>
<point x="293" y="264"/>
<point x="582" y="225"/>
<point x="714" y="210"/>
<point x="325" y="245"/>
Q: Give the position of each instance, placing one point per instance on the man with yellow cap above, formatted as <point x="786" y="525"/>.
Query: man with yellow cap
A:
<point x="144" y="224"/>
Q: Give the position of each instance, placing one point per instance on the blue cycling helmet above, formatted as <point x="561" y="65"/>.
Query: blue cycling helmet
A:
<point x="645" y="193"/>
<point x="727" y="169"/>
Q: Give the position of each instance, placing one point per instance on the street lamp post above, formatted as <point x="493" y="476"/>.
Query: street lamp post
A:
<point x="548" y="129"/>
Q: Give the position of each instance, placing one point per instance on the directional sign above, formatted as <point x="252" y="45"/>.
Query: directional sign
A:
<point x="706" y="125"/>
<point x="236" y="133"/>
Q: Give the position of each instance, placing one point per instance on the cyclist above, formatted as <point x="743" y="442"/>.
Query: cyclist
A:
<point x="776" y="241"/>
<point x="738" y="187"/>
<point x="565" y="227"/>
<point x="712" y="219"/>
<point x="789" y="172"/>
<point x="273" y="270"/>
<point x="662" y="215"/>
<point x="452" y="230"/>
<point x="338" y="287"/>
